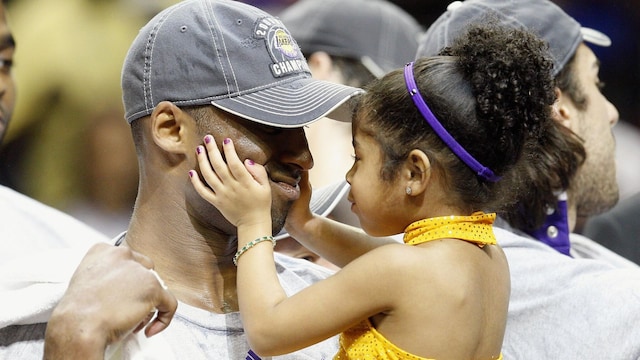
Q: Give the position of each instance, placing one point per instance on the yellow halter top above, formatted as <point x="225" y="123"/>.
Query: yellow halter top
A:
<point x="476" y="228"/>
<point x="363" y="341"/>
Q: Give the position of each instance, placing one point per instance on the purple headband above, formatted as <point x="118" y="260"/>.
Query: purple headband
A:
<point x="481" y="170"/>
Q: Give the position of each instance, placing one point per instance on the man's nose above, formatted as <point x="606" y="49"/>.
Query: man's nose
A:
<point x="295" y="149"/>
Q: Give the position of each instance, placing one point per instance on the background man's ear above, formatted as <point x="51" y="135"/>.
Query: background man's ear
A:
<point x="564" y="109"/>
<point x="322" y="68"/>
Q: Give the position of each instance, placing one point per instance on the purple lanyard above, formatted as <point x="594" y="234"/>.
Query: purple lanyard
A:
<point x="481" y="170"/>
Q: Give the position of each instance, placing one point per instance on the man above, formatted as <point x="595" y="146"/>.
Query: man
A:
<point x="199" y="67"/>
<point x="28" y="225"/>
<point x="562" y="305"/>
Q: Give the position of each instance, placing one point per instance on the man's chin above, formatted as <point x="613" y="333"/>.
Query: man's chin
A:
<point x="279" y="216"/>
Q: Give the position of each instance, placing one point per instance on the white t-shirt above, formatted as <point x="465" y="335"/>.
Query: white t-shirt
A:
<point x="564" y="307"/>
<point x="29" y="226"/>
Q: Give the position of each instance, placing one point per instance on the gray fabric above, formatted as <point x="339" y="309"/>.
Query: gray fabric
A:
<point x="194" y="333"/>
<point x="543" y="17"/>
<point x="379" y="31"/>
<point x="618" y="229"/>
<point x="228" y="54"/>
<point x="568" y="308"/>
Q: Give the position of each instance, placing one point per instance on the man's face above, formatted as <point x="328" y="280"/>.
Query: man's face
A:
<point x="7" y="85"/>
<point x="283" y="152"/>
<point x="595" y="188"/>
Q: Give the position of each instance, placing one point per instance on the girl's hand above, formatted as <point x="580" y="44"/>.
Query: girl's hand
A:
<point x="240" y="191"/>
<point x="300" y="213"/>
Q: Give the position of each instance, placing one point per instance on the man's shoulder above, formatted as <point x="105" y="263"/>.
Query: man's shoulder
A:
<point x="553" y="294"/>
<point x="519" y="245"/>
<point x="583" y="247"/>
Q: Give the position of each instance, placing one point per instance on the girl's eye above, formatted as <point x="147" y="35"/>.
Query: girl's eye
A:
<point x="6" y="64"/>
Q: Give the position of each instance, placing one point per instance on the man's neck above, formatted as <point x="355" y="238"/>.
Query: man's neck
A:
<point x="195" y="264"/>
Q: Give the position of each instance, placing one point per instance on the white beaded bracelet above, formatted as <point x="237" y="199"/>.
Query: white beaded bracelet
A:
<point x="251" y="244"/>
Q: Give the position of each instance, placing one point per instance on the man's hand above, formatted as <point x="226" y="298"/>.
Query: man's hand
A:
<point x="112" y="292"/>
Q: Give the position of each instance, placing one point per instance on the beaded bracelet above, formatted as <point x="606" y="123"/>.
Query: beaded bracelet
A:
<point x="251" y="244"/>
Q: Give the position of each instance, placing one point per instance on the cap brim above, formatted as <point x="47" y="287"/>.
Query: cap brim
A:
<point x="323" y="201"/>
<point x="595" y="37"/>
<point x="292" y="104"/>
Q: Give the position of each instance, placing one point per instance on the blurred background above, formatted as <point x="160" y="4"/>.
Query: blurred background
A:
<point x="69" y="146"/>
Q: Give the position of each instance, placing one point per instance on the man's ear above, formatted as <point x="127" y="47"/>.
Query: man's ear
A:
<point x="563" y="109"/>
<point x="168" y="127"/>
<point x="416" y="173"/>
<point x="321" y="66"/>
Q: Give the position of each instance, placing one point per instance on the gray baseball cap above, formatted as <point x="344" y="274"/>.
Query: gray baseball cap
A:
<point x="542" y="17"/>
<point x="379" y="33"/>
<point x="228" y="54"/>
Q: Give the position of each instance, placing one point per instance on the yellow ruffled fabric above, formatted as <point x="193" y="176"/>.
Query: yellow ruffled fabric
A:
<point x="364" y="342"/>
<point x="477" y="228"/>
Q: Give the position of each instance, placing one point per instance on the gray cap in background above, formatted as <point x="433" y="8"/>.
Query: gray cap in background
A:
<point x="379" y="33"/>
<point x="542" y="17"/>
<point x="230" y="55"/>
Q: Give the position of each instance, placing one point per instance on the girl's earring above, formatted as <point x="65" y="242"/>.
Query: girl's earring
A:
<point x="408" y="190"/>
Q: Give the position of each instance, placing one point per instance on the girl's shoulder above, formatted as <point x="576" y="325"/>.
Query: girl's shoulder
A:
<point x="399" y="258"/>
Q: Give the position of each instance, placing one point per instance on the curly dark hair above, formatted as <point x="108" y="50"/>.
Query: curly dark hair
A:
<point x="492" y="90"/>
<point x="550" y="164"/>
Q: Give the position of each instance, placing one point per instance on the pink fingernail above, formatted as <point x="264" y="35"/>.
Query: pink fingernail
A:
<point x="199" y="149"/>
<point x="190" y="173"/>
<point x="250" y="162"/>
<point x="207" y="139"/>
<point x="226" y="141"/>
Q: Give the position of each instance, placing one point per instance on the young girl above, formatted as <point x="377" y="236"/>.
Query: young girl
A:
<point x="436" y="144"/>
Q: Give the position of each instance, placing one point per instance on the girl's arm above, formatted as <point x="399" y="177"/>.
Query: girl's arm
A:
<point x="337" y="242"/>
<point x="275" y="323"/>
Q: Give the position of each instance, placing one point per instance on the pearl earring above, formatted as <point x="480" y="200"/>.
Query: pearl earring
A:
<point x="408" y="190"/>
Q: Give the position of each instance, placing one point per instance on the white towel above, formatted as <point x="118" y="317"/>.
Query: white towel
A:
<point x="32" y="284"/>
